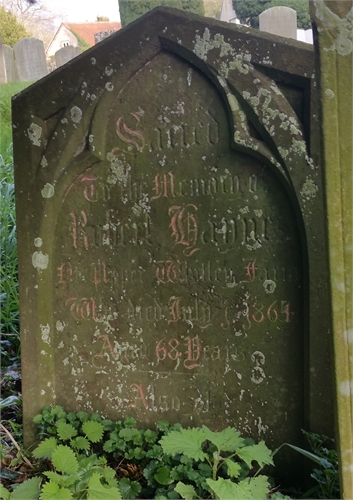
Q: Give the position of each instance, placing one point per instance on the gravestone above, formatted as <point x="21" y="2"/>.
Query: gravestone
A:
<point x="65" y="54"/>
<point x="172" y="252"/>
<point x="98" y="37"/>
<point x="280" y="21"/>
<point x="3" y="74"/>
<point x="10" y="63"/>
<point x="30" y="59"/>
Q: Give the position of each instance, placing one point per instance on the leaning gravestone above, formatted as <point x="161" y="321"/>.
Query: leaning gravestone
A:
<point x="65" y="54"/>
<point x="10" y="64"/>
<point x="3" y="74"/>
<point x="172" y="252"/>
<point x="279" y="21"/>
<point x="30" y="59"/>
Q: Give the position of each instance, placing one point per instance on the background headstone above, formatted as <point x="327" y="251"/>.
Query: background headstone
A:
<point x="64" y="55"/>
<point x="3" y="74"/>
<point x="174" y="247"/>
<point x="10" y="64"/>
<point x="30" y="59"/>
<point x="280" y="21"/>
<point x="98" y="37"/>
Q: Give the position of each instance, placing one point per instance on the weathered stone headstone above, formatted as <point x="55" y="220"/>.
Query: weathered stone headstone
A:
<point x="3" y="74"/>
<point x="171" y="234"/>
<point x="30" y="59"/>
<point x="64" y="55"/>
<point x="280" y="21"/>
<point x="10" y="63"/>
<point x="98" y="37"/>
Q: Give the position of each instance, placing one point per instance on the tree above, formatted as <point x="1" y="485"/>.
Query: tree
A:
<point x="11" y="30"/>
<point x="248" y="10"/>
<point x="34" y="15"/>
<point x="131" y="10"/>
<point x="102" y="18"/>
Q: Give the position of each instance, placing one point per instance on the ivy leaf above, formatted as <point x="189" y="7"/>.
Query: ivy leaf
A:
<point x="52" y="491"/>
<point x="96" y="491"/>
<point x="257" y="452"/>
<point x="227" y="440"/>
<point x="185" y="441"/>
<point x="80" y="443"/>
<point x="29" y="490"/>
<point x="162" y="476"/>
<point x="45" y="448"/>
<point x="234" y="468"/>
<point x="185" y="491"/>
<point x="66" y="431"/>
<point x="93" y="430"/>
<point x="129" y="489"/>
<point x="64" y="460"/>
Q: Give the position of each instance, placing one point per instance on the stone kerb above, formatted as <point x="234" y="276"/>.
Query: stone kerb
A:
<point x="280" y="21"/>
<point x="3" y="75"/>
<point x="64" y="55"/>
<point x="30" y="59"/>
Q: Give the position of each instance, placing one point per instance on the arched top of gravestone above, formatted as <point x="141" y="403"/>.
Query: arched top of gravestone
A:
<point x="279" y="20"/>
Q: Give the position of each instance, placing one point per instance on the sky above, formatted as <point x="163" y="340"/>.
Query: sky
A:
<point x="76" y="11"/>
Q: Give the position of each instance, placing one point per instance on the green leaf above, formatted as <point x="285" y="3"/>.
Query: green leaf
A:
<point x="150" y="436"/>
<point x="29" y="490"/>
<point x="52" y="491"/>
<point x="66" y="431"/>
<point x="163" y="425"/>
<point x="82" y="415"/>
<point x="162" y="476"/>
<point x="185" y="491"/>
<point x="259" y="486"/>
<point x="4" y="493"/>
<point x="96" y="491"/>
<point x="234" y="468"/>
<point x="45" y="448"/>
<point x="129" y="489"/>
<point x="227" y="440"/>
<point x="60" y="479"/>
<point x="64" y="460"/>
<point x="93" y="430"/>
<point x="80" y="443"/>
<point x="226" y="490"/>
<point x="306" y="453"/>
<point x="109" y="476"/>
<point x="129" y="422"/>
<point x="131" y="435"/>
<point x="185" y="441"/>
<point x="257" y="452"/>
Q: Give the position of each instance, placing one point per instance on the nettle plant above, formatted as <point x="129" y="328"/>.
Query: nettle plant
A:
<point x="95" y="458"/>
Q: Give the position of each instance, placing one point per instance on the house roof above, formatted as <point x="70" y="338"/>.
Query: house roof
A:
<point x="88" y="30"/>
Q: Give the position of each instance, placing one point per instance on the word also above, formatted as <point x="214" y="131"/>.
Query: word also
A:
<point x="148" y="399"/>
